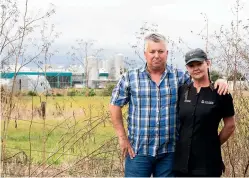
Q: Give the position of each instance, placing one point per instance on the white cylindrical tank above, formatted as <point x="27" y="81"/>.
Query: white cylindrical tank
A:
<point x="91" y="71"/>
<point x="111" y="67"/>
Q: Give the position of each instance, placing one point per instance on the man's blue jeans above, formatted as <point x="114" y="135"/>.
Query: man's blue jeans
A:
<point x="145" y="166"/>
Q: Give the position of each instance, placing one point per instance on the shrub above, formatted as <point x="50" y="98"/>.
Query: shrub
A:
<point x="59" y="94"/>
<point x="32" y="93"/>
<point x="48" y="94"/>
<point x="84" y="92"/>
<point x="91" y="92"/>
<point x="87" y="92"/>
<point x="108" y="90"/>
<point x="71" y="93"/>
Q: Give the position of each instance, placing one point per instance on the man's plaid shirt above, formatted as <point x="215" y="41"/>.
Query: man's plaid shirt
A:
<point x="152" y="109"/>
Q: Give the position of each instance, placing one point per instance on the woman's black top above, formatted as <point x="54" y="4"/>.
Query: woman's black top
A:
<point x="198" y="148"/>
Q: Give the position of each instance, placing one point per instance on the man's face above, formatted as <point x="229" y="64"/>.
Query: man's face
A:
<point x="198" y="70"/>
<point x="156" y="55"/>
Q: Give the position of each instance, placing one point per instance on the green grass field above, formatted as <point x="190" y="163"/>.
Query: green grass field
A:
<point x="74" y="126"/>
<point x="67" y="124"/>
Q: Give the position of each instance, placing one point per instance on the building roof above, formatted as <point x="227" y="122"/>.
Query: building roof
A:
<point x="11" y="74"/>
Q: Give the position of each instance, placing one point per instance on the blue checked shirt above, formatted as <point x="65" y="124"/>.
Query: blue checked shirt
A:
<point x="152" y="109"/>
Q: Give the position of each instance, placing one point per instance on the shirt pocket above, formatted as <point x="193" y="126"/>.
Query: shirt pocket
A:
<point x="169" y="95"/>
<point x="139" y="96"/>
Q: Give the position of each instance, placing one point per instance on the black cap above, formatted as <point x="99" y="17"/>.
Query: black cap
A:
<point x="195" y="55"/>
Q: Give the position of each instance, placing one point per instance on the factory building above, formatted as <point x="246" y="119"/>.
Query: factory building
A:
<point x="95" y="73"/>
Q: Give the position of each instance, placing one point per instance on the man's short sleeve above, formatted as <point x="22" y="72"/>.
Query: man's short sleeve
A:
<point x="227" y="105"/>
<point x="120" y="93"/>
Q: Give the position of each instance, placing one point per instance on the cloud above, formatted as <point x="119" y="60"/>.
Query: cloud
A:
<point x="113" y="23"/>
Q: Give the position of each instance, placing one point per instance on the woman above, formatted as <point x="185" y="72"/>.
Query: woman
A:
<point x="200" y="110"/>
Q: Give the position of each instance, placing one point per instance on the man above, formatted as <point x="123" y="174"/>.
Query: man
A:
<point x="200" y="110"/>
<point x="152" y="96"/>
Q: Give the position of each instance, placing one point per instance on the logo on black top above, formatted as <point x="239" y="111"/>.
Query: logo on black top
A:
<point x="206" y="102"/>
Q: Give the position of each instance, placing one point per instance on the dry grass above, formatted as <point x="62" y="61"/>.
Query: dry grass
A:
<point x="77" y="134"/>
<point x="236" y="149"/>
<point x="80" y="140"/>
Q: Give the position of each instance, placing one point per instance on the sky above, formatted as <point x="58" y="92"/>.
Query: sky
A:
<point x="112" y="24"/>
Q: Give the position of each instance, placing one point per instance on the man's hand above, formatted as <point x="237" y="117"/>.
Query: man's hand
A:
<point x="125" y="147"/>
<point x="117" y="120"/>
<point x="223" y="86"/>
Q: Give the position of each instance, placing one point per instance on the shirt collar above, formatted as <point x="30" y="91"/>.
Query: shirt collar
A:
<point x="211" y="85"/>
<point x="168" y="69"/>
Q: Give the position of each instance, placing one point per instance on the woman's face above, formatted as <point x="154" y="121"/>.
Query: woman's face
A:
<point x="198" y="70"/>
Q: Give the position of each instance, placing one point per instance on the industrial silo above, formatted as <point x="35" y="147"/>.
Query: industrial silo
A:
<point x="111" y="68"/>
<point x="91" y="72"/>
